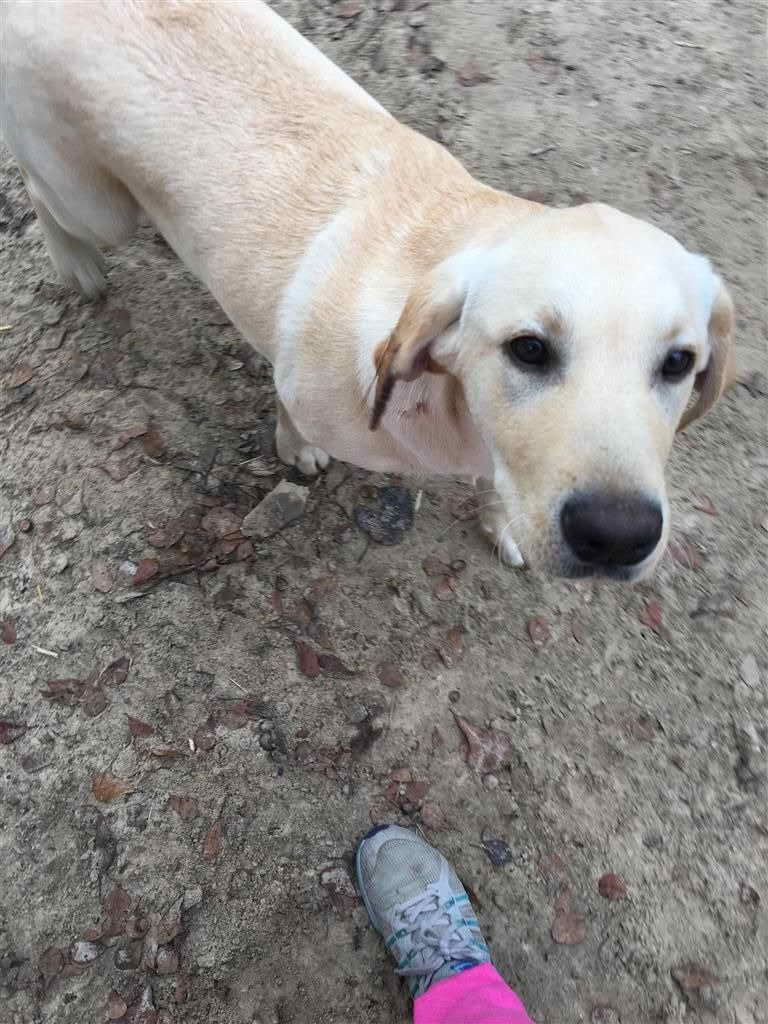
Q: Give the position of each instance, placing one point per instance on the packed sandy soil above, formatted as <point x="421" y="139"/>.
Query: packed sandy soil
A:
<point x="177" y="817"/>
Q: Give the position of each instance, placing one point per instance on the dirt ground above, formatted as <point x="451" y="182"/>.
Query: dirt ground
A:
<point x="188" y="755"/>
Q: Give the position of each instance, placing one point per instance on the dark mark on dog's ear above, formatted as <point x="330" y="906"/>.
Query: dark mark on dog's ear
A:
<point x="384" y="386"/>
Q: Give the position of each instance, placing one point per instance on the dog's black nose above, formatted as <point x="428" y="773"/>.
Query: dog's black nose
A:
<point x="611" y="529"/>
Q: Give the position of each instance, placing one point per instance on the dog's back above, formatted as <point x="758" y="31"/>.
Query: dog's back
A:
<point x="128" y="104"/>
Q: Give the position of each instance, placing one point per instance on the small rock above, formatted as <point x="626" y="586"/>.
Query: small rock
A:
<point x="52" y="315"/>
<point x="498" y="852"/>
<point x="750" y="671"/>
<point x="454" y="696"/>
<point x="193" y="898"/>
<point x="85" y="952"/>
<point x="53" y="340"/>
<point x="24" y="525"/>
<point x="102" y="576"/>
<point x="388" y="521"/>
<point x="59" y="564"/>
<point x="491" y="782"/>
<point x="282" y="505"/>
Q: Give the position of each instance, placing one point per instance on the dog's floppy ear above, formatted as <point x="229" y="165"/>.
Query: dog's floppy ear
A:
<point x="720" y="371"/>
<point x="433" y="305"/>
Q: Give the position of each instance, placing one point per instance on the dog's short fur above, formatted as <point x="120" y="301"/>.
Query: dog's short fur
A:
<point x="382" y="281"/>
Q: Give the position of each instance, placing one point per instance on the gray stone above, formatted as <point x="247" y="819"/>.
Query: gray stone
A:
<point x="280" y="507"/>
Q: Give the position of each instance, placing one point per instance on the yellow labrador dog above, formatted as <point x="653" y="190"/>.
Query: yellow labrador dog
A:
<point x="417" y="320"/>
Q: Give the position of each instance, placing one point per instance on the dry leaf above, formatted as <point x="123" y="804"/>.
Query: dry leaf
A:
<point x="568" y="929"/>
<point x="221" y="522"/>
<point x="152" y="443"/>
<point x="693" y="977"/>
<point x="185" y="806"/>
<point x="138" y="728"/>
<point x="212" y="842"/>
<point x="472" y="74"/>
<point x="390" y="675"/>
<point x="348" y="9"/>
<point x="117" y="671"/>
<point x="116" y="907"/>
<point x="434" y="567"/>
<point x="117" y="1006"/>
<point x="19" y="376"/>
<point x="10" y="732"/>
<point x="51" y="962"/>
<point x="64" y="691"/>
<point x="127" y="435"/>
<point x="7" y="633"/>
<point x="146" y="568"/>
<point x="169" y="534"/>
<point x="611" y="887"/>
<point x="307" y="659"/>
<point x="433" y="818"/>
<point x="651" y="616"/>
<point x="538" y="631"/>
<point x="685" y="553"/>
<point x="331" y="665"/>
<point x="487" y="749"/>
<point x="93" y="702"/>
<point x="704" y="504"/>
<point x="106" y="788"/>
<point x="444" y="588"/>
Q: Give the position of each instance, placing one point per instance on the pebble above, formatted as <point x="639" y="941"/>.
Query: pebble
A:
<point x="750" y="671"/>
<point x="193" y="897"/>
<point x="84" y="952"/>
<point x="59" y="564"/>
<point x="387" y="523"/>
<point x="282" y="505"/>
<point x="491" y="782"/>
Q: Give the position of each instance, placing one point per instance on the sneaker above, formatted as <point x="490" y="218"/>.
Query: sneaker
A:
<point x="418" y="906"/>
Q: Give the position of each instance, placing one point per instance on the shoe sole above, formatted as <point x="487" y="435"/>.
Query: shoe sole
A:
<point x="359" y="874"/>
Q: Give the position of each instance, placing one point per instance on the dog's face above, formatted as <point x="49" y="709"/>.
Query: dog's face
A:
<point x="578" y="340"/>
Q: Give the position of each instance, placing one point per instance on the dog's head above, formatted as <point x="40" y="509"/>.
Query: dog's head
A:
<point x="579" y="338"/>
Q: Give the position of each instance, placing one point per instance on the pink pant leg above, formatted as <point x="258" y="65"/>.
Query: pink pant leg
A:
<point x="478" y="995"/>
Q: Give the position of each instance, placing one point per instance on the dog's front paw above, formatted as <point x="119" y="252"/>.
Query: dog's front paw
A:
<point x="496" y="528"/>
<point x="504" y="546"/>
<point x="305" y="457"/>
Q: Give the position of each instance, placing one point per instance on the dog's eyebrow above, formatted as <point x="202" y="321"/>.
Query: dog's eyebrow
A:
<point x="553" y="321"/>
<point x="673" y="333"/>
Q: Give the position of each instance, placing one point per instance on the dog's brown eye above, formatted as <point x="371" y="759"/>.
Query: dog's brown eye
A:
<point x="677" y="364"/>
<point x="530" y="351"/>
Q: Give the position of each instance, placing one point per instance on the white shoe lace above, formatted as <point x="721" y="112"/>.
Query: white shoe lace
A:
<point x="432" y="931"/>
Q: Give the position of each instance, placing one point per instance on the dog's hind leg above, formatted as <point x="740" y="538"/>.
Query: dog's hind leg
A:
<point x="74" y="227"/>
